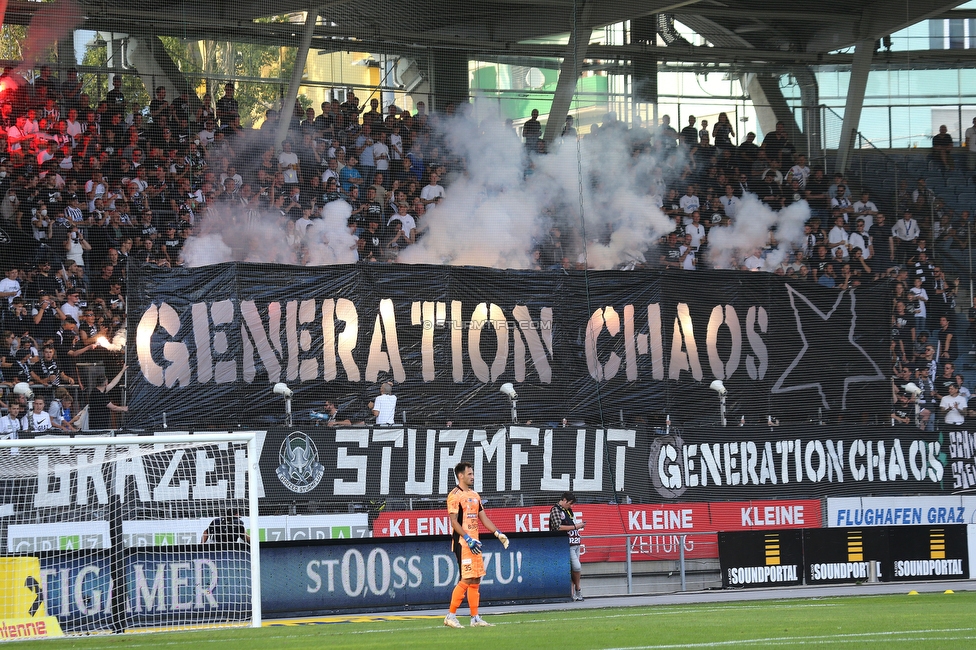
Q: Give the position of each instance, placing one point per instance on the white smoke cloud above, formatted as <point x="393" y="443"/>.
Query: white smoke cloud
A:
<point x="206" y="249"/>
<point x="729" y="245"/>
<point x="495" y="213"/>
<point x="329" y="240"/>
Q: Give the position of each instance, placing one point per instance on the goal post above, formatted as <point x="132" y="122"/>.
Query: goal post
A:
<point x="108" y="534"/>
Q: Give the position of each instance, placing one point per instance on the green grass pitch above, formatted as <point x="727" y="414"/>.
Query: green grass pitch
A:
<point x="916" y="621"/>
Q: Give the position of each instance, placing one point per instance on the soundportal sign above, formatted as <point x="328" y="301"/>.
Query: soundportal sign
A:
<point x="448" y="336"/>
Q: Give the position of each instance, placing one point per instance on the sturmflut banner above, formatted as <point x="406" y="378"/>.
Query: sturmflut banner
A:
<point x="206" y="345"/>
<point x="412" y="468"/>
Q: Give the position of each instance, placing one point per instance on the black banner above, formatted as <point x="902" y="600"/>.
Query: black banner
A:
<point x="539" y="463"/>
<point x="594" y="347"/>
<point x="838" y="555"/>
<point x="399" y="465"/>
<point x="927" y="553"/>
<point x="761" y="559"/>
<point x="844" y="555"/>
<point x="962" y="459"/>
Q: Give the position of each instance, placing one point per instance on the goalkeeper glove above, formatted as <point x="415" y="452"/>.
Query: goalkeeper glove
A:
<point x="473" y="544"/>
<point x="502" y="537"/>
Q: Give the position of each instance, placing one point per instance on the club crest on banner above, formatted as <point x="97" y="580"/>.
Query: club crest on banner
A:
<point x="299" y="468"/>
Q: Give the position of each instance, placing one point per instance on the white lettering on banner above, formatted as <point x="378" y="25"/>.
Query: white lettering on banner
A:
<point x="373" y="571"/>
<point x="678" y="466"/>
<point x="401" y="527"/>
<point x="217" y="473"/>
<point x="840" y="571"/>
<point x="54" y="488"/>
<point x="915" y="568"/>
<point x="150" y="598"/>
<point x="772" y="516"/>
<point x="660" y="520"/>
<point x="684" y="355"/>
<point x="76" y="591"/>
<point x="528" y="523"/>
<point x="286" y="352"/>
<point x="762" y="574"/>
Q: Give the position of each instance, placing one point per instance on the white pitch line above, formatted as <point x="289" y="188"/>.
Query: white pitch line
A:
<point x="788" y="640"/>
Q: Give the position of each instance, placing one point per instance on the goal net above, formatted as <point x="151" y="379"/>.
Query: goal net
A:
<point x="104" y="534"/>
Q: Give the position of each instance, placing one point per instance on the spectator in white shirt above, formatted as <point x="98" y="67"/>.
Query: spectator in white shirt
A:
<point x="384" y="406"/>
<point x="905" y="234"/>
<point x="432" y="192"/>
<point x="838" y="239"/>
<point x="690" y="202"/>
<point x="800" y="171"/>
<point x="861" y="239"/>
<point x="954" y="407"/>
<point x="10" y="286"/>
<point x="696" y="230"/>
<point x="866" y="209"/>
<point x="730" y="202"/>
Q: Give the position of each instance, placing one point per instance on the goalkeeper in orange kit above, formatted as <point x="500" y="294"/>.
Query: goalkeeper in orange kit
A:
<point x="465" y="511"/>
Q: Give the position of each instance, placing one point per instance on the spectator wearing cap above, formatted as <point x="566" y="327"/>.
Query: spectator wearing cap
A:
<point x="73" y="212"/>
<point x="44" y="282"/>
<point x="371" y="242"/>
<point x="72" y="308"/>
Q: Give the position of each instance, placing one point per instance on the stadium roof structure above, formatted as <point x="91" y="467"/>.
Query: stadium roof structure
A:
<point x="737" y="30"/>
<point x="748" y="38"/>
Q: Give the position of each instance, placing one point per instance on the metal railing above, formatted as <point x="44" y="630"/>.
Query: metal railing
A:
<point x="673" y="553"/>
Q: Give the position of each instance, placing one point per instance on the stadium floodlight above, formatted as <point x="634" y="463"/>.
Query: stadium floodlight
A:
<point x="508" y="390"/>
<point x="722" y="391"/>
<point x="283" y="390"/>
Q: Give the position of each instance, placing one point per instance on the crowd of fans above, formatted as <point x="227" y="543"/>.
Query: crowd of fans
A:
<point x="89" y="187"/>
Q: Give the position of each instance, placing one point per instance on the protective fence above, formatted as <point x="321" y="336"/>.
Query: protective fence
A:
<point x="114" y="534"/>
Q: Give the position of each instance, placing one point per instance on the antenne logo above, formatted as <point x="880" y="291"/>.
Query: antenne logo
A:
<point x="299" y="470"/>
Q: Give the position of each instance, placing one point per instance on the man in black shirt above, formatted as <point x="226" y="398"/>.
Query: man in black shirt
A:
<point x="228" y="529"/>
<point x="115" y="99"/>
<point x="689" y="134"/>
<point x="371" y="242"/>
<point x="227" y="106"/>
<point x="100" y="405"/>
<point x="671" y="253"/>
